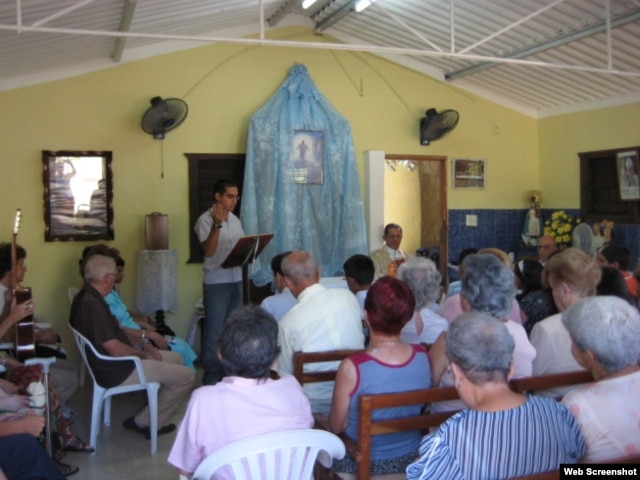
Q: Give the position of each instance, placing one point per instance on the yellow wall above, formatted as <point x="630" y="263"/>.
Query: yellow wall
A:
<point x="224" y="85"/>
<point x="563" y="137"/>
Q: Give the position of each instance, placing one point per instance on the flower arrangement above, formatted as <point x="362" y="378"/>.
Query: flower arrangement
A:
<point x="604" y="229"/>
<point x="560" y="226"/>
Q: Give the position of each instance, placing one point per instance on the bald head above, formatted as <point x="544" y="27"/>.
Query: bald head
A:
<point x="300" y="271"/>
<point x="546" y="247"/>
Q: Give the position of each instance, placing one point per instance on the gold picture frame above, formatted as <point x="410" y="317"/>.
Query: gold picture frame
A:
<point x="469" y="173"/>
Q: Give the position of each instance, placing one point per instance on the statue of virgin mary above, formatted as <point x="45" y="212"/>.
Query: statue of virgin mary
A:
<point x="533" y="222"/>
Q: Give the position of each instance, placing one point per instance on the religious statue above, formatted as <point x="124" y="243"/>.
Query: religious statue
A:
<point x="533" y="222"/>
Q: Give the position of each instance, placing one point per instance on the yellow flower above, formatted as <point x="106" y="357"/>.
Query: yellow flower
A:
<point x="566" y="238"/>
<point x="558" y="239"/>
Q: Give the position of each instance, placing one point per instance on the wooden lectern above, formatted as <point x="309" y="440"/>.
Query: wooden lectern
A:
<point x="245" y="251"/>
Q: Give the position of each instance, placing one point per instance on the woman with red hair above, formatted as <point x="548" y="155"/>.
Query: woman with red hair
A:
<point x="388" y="365"/>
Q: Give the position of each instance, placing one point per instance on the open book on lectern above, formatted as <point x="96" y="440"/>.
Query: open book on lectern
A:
<point x="246" y="250"/>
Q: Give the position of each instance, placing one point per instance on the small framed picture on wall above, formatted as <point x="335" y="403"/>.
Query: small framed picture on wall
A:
<point x="627" y="167"/>
<point x="469" y="173"/>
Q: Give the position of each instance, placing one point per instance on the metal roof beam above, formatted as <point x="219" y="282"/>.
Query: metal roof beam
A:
<point x="125" y="25"/>
<point x="282" y="12"/>
<point x="588" y="32"/>
<point x="336" y="16"/>
<point x="62" y="12"/>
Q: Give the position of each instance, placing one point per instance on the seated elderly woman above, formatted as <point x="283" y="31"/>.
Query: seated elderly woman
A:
<point x="423" y="278"/>
<point x="388" y="365"/>
<point x="247" y="401"/>
<point x="604" y="335"/>
<point x="487" y="286"/>
<point x="503" y="434"/>
<point x="452" y="307"/>
<point x="572" y="276"/>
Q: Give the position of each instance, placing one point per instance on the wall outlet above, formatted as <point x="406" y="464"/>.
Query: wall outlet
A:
<point x="472" y="221"/>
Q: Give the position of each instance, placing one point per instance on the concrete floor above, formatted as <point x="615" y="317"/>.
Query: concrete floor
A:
<point x="120" y="453"/>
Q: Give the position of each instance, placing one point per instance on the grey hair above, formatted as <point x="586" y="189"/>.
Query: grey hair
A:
<point x="481" y="346"/>
<point x="423" y="278"/>
<point x="608" y="327"/>
<point x="97" y="266"/>
<point x="299" y="265"/>
<point x="248" y="342"/>
<point x="488" y="284"/>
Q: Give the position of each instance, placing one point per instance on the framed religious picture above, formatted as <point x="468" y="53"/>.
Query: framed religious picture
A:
<point x="467" y="173"/>
<point x="78" y="195"/>
<point x="627" y="169"/>
<point x="308" y="156"/>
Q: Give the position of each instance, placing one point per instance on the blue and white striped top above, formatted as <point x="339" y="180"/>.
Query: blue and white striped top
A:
<point x="472" y="445"/>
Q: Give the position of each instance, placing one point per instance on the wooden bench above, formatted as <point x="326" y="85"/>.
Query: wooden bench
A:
<point x="360" y="450"/>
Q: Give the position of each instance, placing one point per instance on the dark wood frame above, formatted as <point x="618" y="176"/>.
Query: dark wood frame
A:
<point x="69" y="225"/>
<point x="204" y="170"/>
<point x="599" y="189"/>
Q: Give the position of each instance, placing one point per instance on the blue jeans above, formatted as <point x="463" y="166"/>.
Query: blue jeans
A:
<point x="219" y="300"/>
<point x="22" y="457"/>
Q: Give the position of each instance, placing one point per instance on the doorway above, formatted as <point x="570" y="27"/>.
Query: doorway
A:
<point x="410" y="190"/>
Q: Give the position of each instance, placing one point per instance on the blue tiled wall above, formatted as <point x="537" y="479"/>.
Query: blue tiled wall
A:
<point x="502" y="229"/>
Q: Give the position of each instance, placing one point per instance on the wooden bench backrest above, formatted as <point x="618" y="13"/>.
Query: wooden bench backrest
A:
<point x="367" y="427"/>
<point x="367" y="404"/>
<point x="302" y="358"/>
<point x="552" y="380"/>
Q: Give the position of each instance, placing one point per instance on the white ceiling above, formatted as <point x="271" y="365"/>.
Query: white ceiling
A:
<point x="541" y="57"/>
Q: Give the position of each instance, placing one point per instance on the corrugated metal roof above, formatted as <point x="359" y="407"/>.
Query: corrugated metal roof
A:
<point x="568" y="39"/>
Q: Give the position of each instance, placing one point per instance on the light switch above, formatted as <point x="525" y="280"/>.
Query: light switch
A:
<point x="472" y="221"/>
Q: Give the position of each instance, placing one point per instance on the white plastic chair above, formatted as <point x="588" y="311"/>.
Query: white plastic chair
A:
<point x="274" y="456"/>
<point x="82" y="373"/>
<point x="103" y="395"/>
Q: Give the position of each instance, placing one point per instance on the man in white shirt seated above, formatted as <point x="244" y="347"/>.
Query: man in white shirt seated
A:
<point x="282" y="301"/>
<point x="391" y="252"/>
<point x="322" y="320"/>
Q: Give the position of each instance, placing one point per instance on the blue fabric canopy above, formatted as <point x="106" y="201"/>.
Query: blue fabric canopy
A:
<point x="301" y="180"/>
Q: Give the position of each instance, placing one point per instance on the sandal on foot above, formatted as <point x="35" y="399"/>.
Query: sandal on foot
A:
<point x="77" y="445"/>
<point x="66" y="469"/>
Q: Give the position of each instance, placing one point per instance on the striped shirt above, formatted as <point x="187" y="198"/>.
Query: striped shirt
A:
<point x="534" y="437"/>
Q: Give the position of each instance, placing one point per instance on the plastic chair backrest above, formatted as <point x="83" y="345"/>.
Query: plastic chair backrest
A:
<point x="72" y="292"/>
<point x="283" y="455"/>
<point x="102" y="395"/>
<point x="83" y="343"/>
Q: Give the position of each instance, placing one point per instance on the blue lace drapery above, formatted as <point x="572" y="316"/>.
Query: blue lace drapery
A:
<point x="325" y="219"/>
